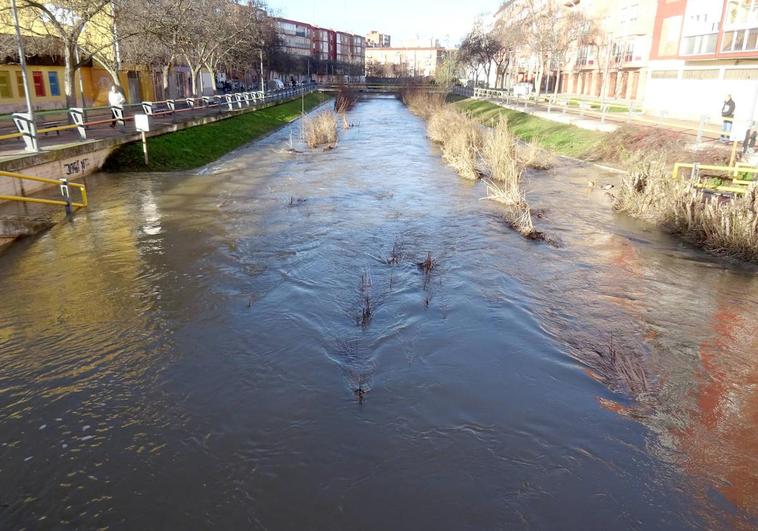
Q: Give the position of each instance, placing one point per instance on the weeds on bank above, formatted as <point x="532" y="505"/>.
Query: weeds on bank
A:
<point x="320" y="129"/>
<point x="625" y="144"/>
<point x="726" y="227"/>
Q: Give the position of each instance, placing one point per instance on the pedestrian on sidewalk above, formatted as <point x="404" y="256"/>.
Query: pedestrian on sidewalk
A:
<point x="727" y="114"/>
<point x="116" y="99"/>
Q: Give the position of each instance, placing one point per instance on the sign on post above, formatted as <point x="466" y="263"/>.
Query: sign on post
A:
<point x="142" y="123"/>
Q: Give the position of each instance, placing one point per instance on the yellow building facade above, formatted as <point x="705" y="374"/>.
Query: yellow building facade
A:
<point x="46" y="81"/>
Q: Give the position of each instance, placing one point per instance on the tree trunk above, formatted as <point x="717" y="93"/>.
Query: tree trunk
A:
<point x="557" y="83"/>
<point x="68" y="75"/>
<point x="538" y="80"/>
<point x="165" y="81"/>
<point x="212" y="71"/>
<point x="193" y="80"/>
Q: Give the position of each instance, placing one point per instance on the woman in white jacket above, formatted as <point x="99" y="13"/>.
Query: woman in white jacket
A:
<point x="115" y="99"/>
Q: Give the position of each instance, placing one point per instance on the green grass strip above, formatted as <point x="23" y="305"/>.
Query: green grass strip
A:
<point x="561" y="138"/>
<point x="197" y="146"/>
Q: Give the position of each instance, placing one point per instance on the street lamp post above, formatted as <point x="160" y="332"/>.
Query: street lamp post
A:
<point x="261" y="55"/>
<point x="32" y="146"/>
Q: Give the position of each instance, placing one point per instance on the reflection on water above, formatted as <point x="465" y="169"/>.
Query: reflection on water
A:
<point x="187" y="354"/>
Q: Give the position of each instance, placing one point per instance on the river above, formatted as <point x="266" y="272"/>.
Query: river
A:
<point x="191" y="352"/>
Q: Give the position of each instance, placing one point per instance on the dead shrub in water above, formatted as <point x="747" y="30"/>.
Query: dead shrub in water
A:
<point x="724" y="227"/>
<point x="506" y="179"/>
<point x="533" y="156"/>
<point x="420" y="101"/>
<point x="321" y="129"/>
<point x="346" y="99"/>
<point x="460" y="138"/>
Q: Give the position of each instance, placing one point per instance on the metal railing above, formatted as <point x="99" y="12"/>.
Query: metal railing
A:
<point x="590" y="109"/>
<point x="84" y="119"/>
<point x="64" y="187"/>
<point x="739" y="185"/>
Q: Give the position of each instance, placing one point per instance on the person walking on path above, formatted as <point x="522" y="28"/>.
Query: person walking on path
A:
<point x="116" y="99"/>
<point x="727" y="114"/>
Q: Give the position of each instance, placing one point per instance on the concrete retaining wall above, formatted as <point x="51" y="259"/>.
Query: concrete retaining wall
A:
<point x="75" y="161"/>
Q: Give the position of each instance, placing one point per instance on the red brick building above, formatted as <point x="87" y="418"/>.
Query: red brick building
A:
<point x="320" y="52"/>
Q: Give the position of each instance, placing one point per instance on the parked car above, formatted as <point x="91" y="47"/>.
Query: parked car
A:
<point x="522" y="89"/>
<point x="275" y="84"/>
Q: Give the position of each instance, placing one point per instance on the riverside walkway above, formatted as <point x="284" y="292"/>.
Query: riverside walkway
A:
<point x="58" y="131"/>
<point x="590" y="114"/>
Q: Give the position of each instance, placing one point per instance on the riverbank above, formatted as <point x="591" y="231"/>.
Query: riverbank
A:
<point x="722" y="226"/>
<point x="617" y="148"/>
<point x="192" y="148"/>
<point x="560" y="138"/>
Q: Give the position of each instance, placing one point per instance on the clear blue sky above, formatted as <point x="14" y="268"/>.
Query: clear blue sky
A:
<point x="402" y="19"/>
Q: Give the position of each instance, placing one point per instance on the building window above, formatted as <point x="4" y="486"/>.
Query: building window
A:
<point x="20" y="84"/>
<point x="741" y="74"/>
<point x="52" y="78"/>
<point x="39" y="84"/>
<point x="670" y="33"/>
<point x="664" y="74"/>
<point x="701" y="74"/>
<point x="5" y="85"/>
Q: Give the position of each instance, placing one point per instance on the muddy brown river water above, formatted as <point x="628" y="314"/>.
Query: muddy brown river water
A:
<point x="186" y="354"/>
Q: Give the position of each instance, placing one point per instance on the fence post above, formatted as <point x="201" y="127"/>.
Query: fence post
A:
<point x="171" y="104"/>
<point x="147" y="107"/>
<point x="603" y="112"/>
<point x="190" y="103"/>
<point x="28" y="130"/>
<point x="66" y="193"/>
<point x="700" y="127"/>
<point x="78" y="117"/>
<point x="118" y="115"/>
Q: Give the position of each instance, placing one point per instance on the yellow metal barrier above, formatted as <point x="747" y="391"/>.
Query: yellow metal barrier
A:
<point x="58" y="202"/>
<point x="732" y="173"/>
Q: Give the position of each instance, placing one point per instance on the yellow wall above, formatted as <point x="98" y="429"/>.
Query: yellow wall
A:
<point x="16" y="99"/>
<point x="97" y="82"/>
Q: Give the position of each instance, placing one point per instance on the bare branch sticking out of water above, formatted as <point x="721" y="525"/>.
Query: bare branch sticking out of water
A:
<point x="624" y="369"/>
<point x="296" y="202"/>
<point x="366" y="306"/>
<point x="427" y="267"/>
<point x="396" y="254"/>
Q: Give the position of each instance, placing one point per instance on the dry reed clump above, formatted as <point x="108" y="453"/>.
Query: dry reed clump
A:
<point x="321" y="129"/>
<point x="506" y="179"/>
<point x="460" y="138"/>
<point x="421" y="102"/>
<point x="723" y="227"/>
<point x="533" y="156"/>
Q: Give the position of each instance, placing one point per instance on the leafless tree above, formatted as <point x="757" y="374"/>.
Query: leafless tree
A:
<point x="68" y="22"/>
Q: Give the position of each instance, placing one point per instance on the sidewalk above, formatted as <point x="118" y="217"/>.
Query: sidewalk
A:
<point x="12" y="150"/>
<point x="610" y="121"/>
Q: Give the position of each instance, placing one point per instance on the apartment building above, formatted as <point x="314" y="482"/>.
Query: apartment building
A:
<point x="404" y="62"/>
<point x="321" y="52"/>
<point x="374" y="39"/>
<point x="613" y="60"/>
<point x="703" y="50"/>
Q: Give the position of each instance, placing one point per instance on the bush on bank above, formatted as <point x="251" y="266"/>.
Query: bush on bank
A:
<point x="726" y="227"/>
<point x="197" y="146"/>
